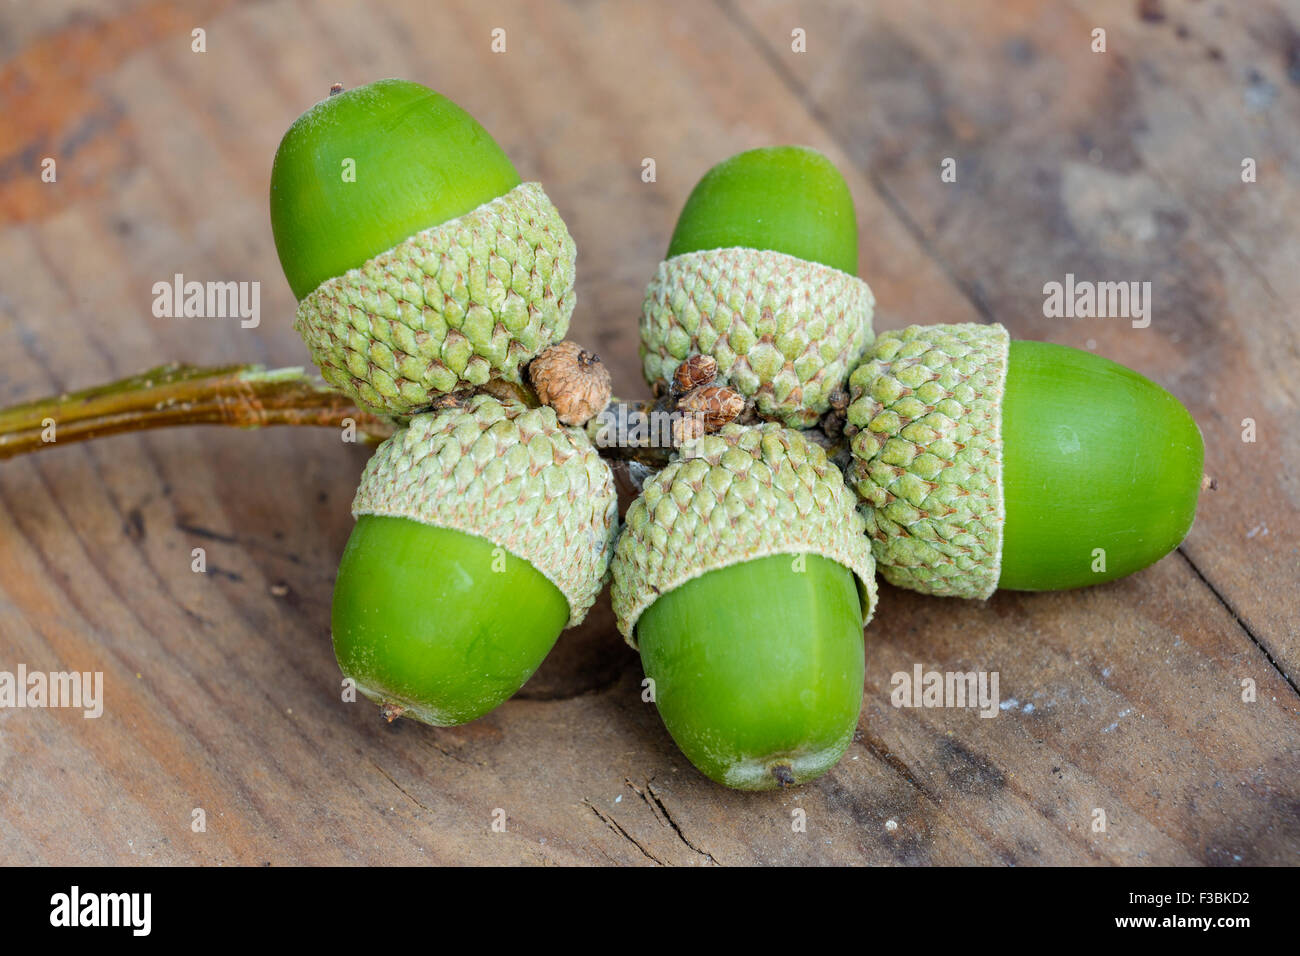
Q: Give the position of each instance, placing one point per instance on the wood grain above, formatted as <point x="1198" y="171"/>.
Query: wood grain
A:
<point x="221" y="688"/>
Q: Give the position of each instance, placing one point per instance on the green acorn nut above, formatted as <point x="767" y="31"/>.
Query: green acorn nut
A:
<point x="760" y="275"/>
<point x="744" y="577"/>
<point x="985" y="463"/>
<point x="482" y="531"/>
<point x="422" y="264"/>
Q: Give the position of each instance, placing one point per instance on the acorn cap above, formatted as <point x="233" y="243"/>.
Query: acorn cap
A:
<point x="471" y="299"/>
<point x="926" y="424"/>
<point x="511" y="475"/>
<point x="759" y="274"/>
<point x="785" y="331"/>
<point x="739" y="494"/>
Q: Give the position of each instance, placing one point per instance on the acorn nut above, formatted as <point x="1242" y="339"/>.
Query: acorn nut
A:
<point x="744" y="577"/>
<point x="483" y="530"/>
<point x="760" y="276"/>
<point x="422" y="264"/>
<point x="985" y="463"/>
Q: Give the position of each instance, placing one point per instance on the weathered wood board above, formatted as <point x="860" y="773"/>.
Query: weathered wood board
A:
<point x="221" y="691"/>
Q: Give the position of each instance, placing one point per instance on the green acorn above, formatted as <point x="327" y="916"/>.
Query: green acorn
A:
<point x="423" y="264"/>
<point x="985" y="463"/>
<point x="760" y="275"/>
<point x="744" y="577"/>
<point x="482" y="531"/>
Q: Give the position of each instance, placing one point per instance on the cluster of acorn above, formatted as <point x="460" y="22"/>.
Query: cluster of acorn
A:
<point x="435" y="287"/>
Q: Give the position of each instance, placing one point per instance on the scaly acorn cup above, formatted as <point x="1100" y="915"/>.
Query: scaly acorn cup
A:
<point x="744" y="577"/>
<point x="760" y="275"/>
<point x="985" y="463"/>
<point x="482" y="531"/>
<point x="422" y="264"/>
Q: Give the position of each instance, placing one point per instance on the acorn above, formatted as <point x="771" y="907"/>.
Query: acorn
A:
<point x="422" y="263"/>
<point x="984" y="463"/>
<point x="483" y="530"/>
<point x="744" y="577"/>
<point x="760" y="275"/>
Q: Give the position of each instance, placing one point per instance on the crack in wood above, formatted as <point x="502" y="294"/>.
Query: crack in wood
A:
<point x="613" y="825"/>
<point x="200" y="532"/>
<point x="1240" y="623"/>
<point x="384" y="773"/>
<point x="660" y="810"/>
<point x="880" y="750"/>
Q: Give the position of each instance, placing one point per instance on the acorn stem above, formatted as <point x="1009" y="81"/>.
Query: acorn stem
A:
<point x="250" y="396"/>
<point x="245" y="396"/>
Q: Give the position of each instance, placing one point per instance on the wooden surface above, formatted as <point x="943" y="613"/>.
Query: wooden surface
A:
<point x="221" y="689"/>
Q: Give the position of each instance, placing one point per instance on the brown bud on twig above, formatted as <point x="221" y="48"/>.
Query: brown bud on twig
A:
<point x="837" y="415"/>
<point x="716" y="403"/>
<point x="572" y="381"/>
<point x="695" y="371"/>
